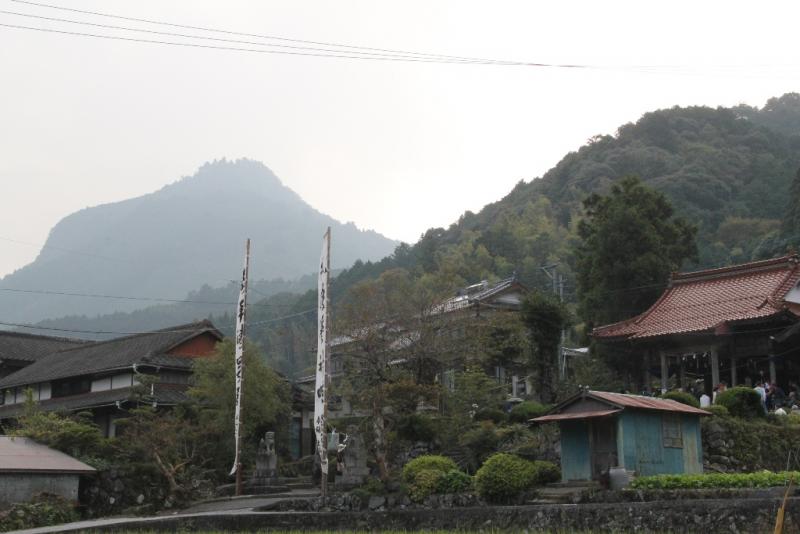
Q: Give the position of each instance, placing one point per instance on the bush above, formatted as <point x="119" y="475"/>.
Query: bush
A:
<point x="491" y="414"/>
<point x="426" y="481"/>
<point x="762" y="479"/>
<point x="718" y="410"/>
<point x="525" y="411"/>
<point x="504" y="478"/>
<point x="428" y="462"/>
<point x="546" y="472"/>
<point x="741" y="402"/>
<point x="44" y="510"/>
<point x="682" y="397"/>
<point x="454" y="481"/>
<point x="416" y="427"/>
<point x="478" y="443"/>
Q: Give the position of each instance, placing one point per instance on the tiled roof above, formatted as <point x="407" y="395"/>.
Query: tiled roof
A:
<point x="119" y="353"/>
<point x="165" y="394"/>
<point x="704" y="301"/>
<point x="29" y="347"/>
<point x="24" y="455"/>
<point x="476" y="294"/>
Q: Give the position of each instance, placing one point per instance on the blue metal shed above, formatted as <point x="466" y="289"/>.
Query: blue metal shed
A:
<point x="649" y="436"/>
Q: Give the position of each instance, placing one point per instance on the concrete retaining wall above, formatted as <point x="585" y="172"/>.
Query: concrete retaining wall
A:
<point x="22" y="487"/>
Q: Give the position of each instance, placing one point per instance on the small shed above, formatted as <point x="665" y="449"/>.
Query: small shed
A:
<point x="28" y="468"/>
<point x="649" y="436"/>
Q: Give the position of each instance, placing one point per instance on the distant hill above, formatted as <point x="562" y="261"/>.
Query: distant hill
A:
<point x="186" y="235"/>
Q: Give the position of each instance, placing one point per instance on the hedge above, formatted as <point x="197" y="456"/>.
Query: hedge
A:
<point x="428" y="462"/>
<point x="762" y="479"/>
<point x="504" y="478"/>
<point x="527" y="410"/>
<point x="741" y="402"/>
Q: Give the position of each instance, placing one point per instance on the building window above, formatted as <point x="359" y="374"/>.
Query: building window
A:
<point x="671" y="431"/>
<point x="75" y="386"/>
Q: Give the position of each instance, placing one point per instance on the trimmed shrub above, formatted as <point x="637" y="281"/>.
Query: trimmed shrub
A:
<point x="741" y="402"/>
<point x="546" y="472"/>
<point x="425" y="483"/>
<point x="479" y="443"/>
<point x="682" y="397"/>
<point x="504" y="478"/>
<point x="416" y="427"/>
<point x="428" y="462"/>
<point x="44" y="510"/>
<point x="527" y="410"/>
<point x="491" y="414"/>
<point x="762" y="479"/>
<point x="718" y="410"/>
<point x="454" y="481"/>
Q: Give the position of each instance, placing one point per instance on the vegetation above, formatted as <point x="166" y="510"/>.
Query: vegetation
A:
<point x="762" y="479"/>
<point x="527" y="410"/>
<point x="43" y="511"/>
<point x="741" y="402"/>
<point x="544" y="318"/>
<point x="429" y="462"/>
<point x="505" y="478"/>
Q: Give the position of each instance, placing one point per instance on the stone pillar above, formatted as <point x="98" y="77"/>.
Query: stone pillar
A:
<point x="664" y="371"/>
<point x="714" y="367"/>
<point x="733" y="371"/>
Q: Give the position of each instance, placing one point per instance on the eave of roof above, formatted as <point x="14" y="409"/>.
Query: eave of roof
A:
<point x="574" y="415"/>
<point x="618" y="402"/>
<point x="710" y="301"/>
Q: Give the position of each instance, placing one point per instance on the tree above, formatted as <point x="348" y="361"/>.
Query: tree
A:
<point x="791" y="222"/>
<point x="266" y="405"/>
<point x="545" y="318"/>
<point x="630" y="242"/>
<point x="390" y="360"/>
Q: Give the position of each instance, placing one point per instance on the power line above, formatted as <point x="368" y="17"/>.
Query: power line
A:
<point x="281" y="38"/>
<point x="236" y="41"/>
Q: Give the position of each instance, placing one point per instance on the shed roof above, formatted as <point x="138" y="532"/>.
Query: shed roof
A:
<point x="143" y="348"/>
<point x="704" y="301"/>
<point x="23" y="455"/>
<point x="616" y="402"/>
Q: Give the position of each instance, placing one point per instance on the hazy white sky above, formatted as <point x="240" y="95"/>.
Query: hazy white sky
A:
<point x="397" y="147"/>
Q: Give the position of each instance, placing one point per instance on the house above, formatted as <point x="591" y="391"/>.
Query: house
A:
<point x="28" y="469"/>
<point x="645" y="435"/>
<point x="449" y="321"/>
<point x="18" y="350"/>
<point x="100" y="377"/>
<point x="735" y="324"/>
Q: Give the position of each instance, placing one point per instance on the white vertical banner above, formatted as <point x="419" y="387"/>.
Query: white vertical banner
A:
<point x="321" y="385"/>
<point x="241" y="314"/>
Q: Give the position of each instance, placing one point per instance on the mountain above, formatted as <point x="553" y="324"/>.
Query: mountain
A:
<point x="175" y="240"/>
<point x="728" y="170"/>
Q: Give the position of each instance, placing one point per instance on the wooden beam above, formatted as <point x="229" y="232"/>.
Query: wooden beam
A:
<point x="773" y="375"/>
<point x="664" y="371"/>
<point x="733" y="371"/>
<point x="682" y="373"/>
<point x="714" y="368"/>
<point x="647" y="378"/>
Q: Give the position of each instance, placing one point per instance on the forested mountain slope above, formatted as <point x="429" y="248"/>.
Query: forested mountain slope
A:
<point x="175" y="240"/>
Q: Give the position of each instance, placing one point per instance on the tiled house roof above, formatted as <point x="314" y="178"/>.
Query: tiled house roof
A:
<point x="707" y="301"/>
<point x="150" y="348"/>
<point x="21" y="347"/>
<point x="614" y="403"/>
<point x="479" y="293"/>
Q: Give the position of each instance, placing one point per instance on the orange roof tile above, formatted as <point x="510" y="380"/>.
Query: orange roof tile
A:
<point x="704" y="301"/>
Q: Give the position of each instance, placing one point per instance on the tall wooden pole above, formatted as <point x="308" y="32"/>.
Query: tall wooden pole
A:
<point x="241" y="320"/>
<point x="323" y="365"/>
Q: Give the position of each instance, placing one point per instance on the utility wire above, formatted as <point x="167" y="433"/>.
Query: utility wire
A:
<point x="280" y="38"/>
<point x="235" y="41"/>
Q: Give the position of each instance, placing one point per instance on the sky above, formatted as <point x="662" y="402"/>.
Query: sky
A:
<point x="393" y="146"/>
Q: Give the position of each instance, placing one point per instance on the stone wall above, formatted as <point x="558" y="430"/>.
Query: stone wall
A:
<point x="736" y="445"/>
<point x="695" y="516"/>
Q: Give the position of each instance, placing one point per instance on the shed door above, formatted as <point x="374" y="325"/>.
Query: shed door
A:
<point x="604" y="446"/>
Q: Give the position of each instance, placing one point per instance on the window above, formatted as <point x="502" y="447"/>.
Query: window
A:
<point x="74" y="386"/>
<point x="671" y="431"/>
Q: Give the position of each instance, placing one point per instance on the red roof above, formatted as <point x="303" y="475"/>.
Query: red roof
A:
<point x="704" y="301"/>
<point x="574" y="415"/>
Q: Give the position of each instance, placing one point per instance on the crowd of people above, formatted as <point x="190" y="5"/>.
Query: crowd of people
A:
<point x="773" y="397"/>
